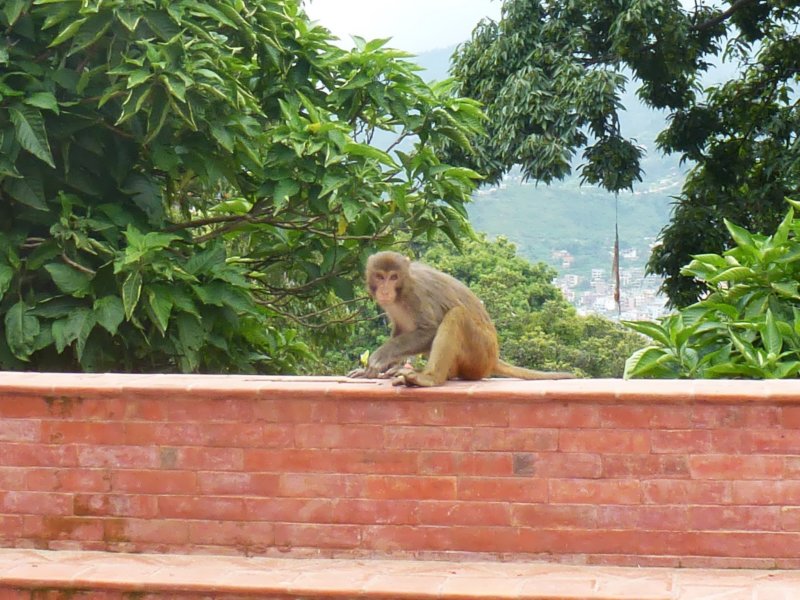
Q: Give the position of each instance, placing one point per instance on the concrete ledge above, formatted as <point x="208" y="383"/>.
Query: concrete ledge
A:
<point x="26" y="573"/>
<point x="575" y="390"/>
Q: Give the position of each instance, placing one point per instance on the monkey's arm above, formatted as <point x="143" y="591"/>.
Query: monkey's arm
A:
<point x="394" y="352"/>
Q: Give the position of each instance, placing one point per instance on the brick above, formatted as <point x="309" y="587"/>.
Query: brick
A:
<point x="732" y="467"/>
<point x="154" y="482"/>
<point x="20" y="406"/>
<point x="202" y="409"/>
<point x="161" y="531"/>
<point x="291" y="535"/>
<point x="295" y="411"/>
<point x="365" y="511"/>
<point x="202" y="459"/>
<point x="465" y="513"/>
<point x="78" y="480"/>
<point x="14" y="478"/>
<point x="626" y="416"/>
<point x="515" y="440"/>
<point x="471" y="414"/>
<point x="567" y="464"/>
<point x="83" y="432"/>
<point x="51" y="528"/>
<point x="38" y="455"/>
<point x="225" y="483"/>
<point x="377" y="413"/>
<point x="492" y="464"/>
<point x="114" y="505"/>
<point x="594" y="491"/>
<point x="290" y="510"/>
<point x="503" y="489"/>
<point x="681" y="442"/>
<point x="315" y="485"/>
<point x="20" y="430"/>
<point x="428" y="438"/>
<point x="36" y="503"/>
<point x="10" y="527"/>
<point x="715" y="416"/>
<point x="773" y="441"/>
<point x="548" y="516"/>
<point x="331" y="461"/>
<point x="547" y="415"/>
<point x="679" y="491"/>
<point x="603" y="441"/>
<point x="645" y="518"/>
<point x="790" y="518"/>
<point x="323" y="435"/>
<point x="789" y="417"/>
<point x="766" y="492"/>
<point x="644" y="466"/>
<point x="119" y="457"/>
<point x="406" y="488"/>
<point x="217" y="508"/>
<point x="232" y="533"/>
<point x="246" y="435"/>
<point x="735" y="518"/>
<point x="745" y="544"/>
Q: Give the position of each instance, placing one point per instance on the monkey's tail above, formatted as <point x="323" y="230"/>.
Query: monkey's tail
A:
<point x="506" y="370"/>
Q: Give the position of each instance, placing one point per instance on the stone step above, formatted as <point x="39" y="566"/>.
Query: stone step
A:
<point x="81" y="575"/>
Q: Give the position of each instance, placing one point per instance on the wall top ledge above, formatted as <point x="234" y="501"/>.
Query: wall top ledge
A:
<point x="575" y="390"/>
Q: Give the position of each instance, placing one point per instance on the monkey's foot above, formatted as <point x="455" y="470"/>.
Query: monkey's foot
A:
<point x="413" y="378"/>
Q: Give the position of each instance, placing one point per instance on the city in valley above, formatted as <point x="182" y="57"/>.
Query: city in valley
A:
<point x="639" y="296"/>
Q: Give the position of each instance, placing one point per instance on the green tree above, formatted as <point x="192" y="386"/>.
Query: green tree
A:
<point x="181" y="181"/>
<point x="748" y="322"/>
<point x="536" y="326"/>
<point x="551" y="72"/>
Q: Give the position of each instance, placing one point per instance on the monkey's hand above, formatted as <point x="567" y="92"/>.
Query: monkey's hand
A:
<point x="372" y="373"/>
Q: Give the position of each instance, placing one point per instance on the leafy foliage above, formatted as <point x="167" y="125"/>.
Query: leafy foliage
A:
<point x="536" y="326"/>
<point x="551" y="74"/>
<point x="181" y="180"/>
<point x="748" y="323"/>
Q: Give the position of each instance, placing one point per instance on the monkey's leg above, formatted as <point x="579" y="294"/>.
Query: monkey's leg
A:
<point x="462" y="348"/>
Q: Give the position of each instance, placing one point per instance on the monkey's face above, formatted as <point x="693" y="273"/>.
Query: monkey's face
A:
<point x="385" y="286"/>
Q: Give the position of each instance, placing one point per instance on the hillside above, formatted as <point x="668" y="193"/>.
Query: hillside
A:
<point x="571" y="227"/>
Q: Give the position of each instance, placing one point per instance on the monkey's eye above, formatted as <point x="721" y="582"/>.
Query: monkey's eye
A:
<point x="379" y="276"/>
<point x="393" y="277"/>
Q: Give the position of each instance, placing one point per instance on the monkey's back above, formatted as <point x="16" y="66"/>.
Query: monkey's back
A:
<point x="442" y="292"/>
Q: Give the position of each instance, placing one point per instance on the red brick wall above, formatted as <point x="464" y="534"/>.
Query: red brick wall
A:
<point x="657" y="473"/>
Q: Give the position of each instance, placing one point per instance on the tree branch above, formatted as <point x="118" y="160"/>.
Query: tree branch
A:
<point x="713" y="22"/>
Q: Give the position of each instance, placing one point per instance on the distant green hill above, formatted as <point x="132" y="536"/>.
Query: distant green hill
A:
<point x="543" y="219"/>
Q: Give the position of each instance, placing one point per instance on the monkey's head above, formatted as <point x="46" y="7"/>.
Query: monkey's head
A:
<point x="387" y="273"/>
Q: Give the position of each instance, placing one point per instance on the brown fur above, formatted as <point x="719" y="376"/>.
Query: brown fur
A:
<point x="435" y="314"/>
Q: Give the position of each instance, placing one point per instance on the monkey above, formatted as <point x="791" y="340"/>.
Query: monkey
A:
<point x="433" y="313"/>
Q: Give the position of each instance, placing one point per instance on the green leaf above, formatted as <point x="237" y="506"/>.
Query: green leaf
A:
<point x="285" y="189"/>
<point x="652" y="330"/>
<point x="131" y="291"/>
<point x="31" y="133"/>
<point x="28" y="191"/>
<point x="652" y="362"/>
<point x="13" y="9"/>
<point x="6" y="275"/>
<point x="69" y="280"/>
<point x="742" y="237"/>
<point x="109" y="313"/>
<point x="75" y="328"/>
<point x="161" y="305"/>
<point x="22" y="329"/>
<point x="369" y="152"/>
<point x="43" y="100"/>
<point x="773" y="341"/>
<point x="68" y="31"/>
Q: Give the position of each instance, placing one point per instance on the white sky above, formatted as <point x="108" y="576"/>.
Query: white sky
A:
<point x="413" y="25"/>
